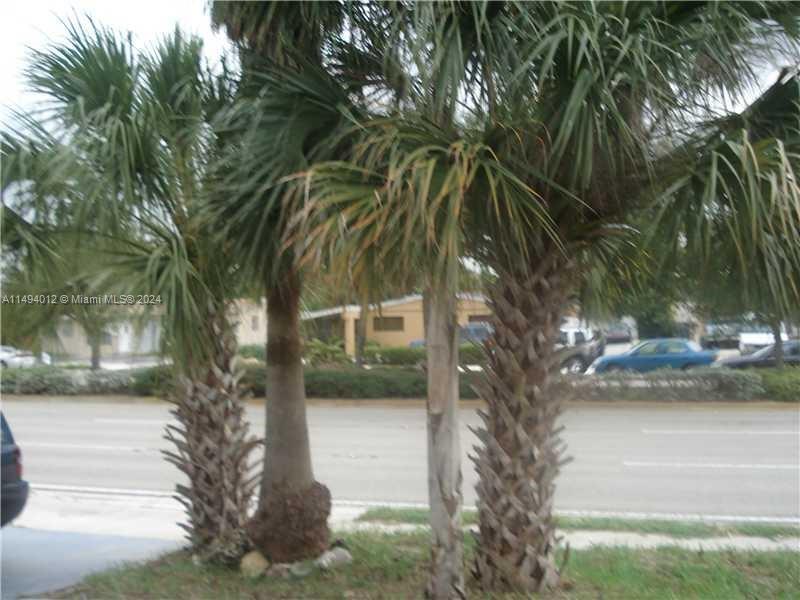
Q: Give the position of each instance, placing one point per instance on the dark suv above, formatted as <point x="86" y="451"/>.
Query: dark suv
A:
<point x="15" y="489"/>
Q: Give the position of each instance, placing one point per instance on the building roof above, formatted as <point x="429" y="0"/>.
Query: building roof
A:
<point x="355" y="308"/>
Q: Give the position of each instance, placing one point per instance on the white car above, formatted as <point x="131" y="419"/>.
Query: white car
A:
<point x="12" y="357"/>
<point x="751" y="341"/>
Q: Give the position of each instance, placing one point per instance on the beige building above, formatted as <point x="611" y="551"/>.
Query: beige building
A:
<point x="127" y="337"/>
<point x="250" y="322"/>
<point x="121" y="339"/>
<point x="395" y="322"/>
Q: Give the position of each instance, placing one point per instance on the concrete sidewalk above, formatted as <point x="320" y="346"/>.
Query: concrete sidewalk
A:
<point x="581" y="540"/>
<point x="155" y="515"/>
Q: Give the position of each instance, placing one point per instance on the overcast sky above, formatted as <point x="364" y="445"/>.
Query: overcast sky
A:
<point x="34" y="23"/>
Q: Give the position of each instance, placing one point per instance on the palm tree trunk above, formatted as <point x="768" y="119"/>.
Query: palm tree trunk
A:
<point x="292" y="519"/>
<point x="444" y="452"/>
<point x="361" y="332"/>
<point x="775" y="325"/>
<point x="94" y="344"/>
<point x="212" y="450"/>
<point x="521" y="451"/>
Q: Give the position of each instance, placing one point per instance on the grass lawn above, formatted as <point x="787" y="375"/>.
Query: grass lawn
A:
<point x="685" y="529"/>
<point x="394" y="566"/>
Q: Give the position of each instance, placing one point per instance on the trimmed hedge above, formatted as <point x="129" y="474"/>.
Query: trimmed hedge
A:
<point x="39" y="380"/>
<point x="664" y="385"/>
<point x="151" y="381"/>
<point x="315" y="352"/>
<point x="395" y="356"/>
<point x="399" y="356"/>
<point x="353" y="383"/>
<point x="403" y="382"/>
<point x="109" y="382"/>
<point x="781" y="385"/>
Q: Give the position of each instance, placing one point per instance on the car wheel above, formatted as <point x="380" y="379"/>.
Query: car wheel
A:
<point x="573" y="366"/>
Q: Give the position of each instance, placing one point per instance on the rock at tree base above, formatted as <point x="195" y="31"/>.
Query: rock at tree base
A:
<point x="253" y="564"/>
<point x="333" y="558"/>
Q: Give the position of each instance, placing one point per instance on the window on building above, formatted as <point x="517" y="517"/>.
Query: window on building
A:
<point x="106" y="338"/>
<point x="388" y="324"/>
<point x="480" y="318"/>
<point x="254" y="322"/>
<point x="579" y="338"/>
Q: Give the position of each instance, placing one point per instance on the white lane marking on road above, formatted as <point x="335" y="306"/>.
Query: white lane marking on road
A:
<point x="76" y="489"/>
<point x="132" y="421"/>
<point x="52" y="487"/>
<point x="698" y="465"/>
<point x="716" y="432"/>
<point x="89" y="447"/>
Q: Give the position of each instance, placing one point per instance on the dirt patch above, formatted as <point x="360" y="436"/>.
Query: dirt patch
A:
<point x="292" y="526"/>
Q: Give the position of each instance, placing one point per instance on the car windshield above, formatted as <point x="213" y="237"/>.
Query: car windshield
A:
<point x="649" y="347"/>
<point x="694" y="346"/>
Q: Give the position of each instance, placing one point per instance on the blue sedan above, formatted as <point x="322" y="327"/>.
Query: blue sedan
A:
<point x="665" y="353"/>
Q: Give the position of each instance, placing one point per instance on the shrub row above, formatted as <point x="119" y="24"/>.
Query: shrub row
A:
<point x="781" y="385"/>
<point x="59" y="381"/>
<point x="399" y="382"/>
<point x="353" y="383"/>
<point x="470" y="354"/>
<point x="665" y="385"/>
<point x="315" y="352"/>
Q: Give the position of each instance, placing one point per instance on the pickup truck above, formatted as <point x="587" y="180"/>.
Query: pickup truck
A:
<point x="577" y="348"/>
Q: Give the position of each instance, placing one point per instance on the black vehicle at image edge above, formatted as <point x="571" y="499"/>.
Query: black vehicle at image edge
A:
<point x="15" y="489"/>
<point x="764" y="358"/>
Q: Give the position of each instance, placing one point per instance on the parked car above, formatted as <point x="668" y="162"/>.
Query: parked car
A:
<point x="757" y="338"/>
<point x="471" y="332"/>
<point x="619" y="333"/>
<point x="764" y="358"/>
<point x="577" y="348"/>
<point x="474" y="332"/>
<point x="12" y="357"/>
<point x="662" y="353"/>
<point x="14" y="488"/>
<point x="721" y="335"/>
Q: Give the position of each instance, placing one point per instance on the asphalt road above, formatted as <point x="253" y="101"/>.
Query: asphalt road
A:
<point x="709" y="459"/>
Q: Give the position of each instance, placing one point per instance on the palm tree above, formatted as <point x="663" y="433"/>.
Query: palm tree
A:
<point x="41" y="259"/>
<point x="747" y="180"/>
<point x="276" y="127"/>
<point x="396" y="201"/>
<point x="132" y="152"/>
<point x="602" y="90"/>
<point x="550" y="129"/>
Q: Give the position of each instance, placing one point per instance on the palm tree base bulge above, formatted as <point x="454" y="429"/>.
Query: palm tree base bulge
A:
<point x="292" y="525"/>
